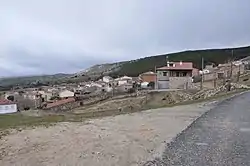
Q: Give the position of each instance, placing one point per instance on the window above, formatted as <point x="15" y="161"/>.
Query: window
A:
<point x="164" y="73"/>
<point x="171" y="73"/>
<point x="184" y="74"/>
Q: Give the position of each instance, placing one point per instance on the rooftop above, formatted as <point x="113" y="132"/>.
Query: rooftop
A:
<point x="60" y="102"/>
<point x="178" y="66"/>
<point x="6" y="102"/>
<point x="148" y="73"/>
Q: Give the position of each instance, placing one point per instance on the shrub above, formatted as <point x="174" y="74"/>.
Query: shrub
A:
<point x="151" y="84"/>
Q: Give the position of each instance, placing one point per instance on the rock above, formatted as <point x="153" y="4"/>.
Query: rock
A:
<point x="203" y="94"/>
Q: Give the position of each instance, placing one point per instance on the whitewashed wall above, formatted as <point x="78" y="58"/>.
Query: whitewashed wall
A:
<point x="8" y="108"/>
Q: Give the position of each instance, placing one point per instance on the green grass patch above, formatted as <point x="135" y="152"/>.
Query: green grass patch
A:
<point x="19" y="120"/>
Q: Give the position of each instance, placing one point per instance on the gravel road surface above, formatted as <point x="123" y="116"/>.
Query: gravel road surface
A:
<point x="124" y="140"/>
<point x="220" y="137"/>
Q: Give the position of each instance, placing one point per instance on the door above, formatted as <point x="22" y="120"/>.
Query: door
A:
<point x="163" y="84"/>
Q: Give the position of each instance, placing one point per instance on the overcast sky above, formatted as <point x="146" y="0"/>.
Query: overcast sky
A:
<point x="51" y="36"/>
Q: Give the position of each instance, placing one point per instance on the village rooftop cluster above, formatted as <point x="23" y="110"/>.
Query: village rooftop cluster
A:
<point x="173" y="76"/>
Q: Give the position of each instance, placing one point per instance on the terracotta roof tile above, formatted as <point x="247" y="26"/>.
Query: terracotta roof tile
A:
<point x="60" y="102"/>
<point x="178" y="66"/>
<point x="6" y="102"/>
<point x="149" y="73"/>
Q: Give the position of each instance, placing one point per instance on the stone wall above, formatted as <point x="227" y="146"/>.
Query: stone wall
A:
<point x="179" y="82"/>
<point x="64" y="107"/>
<point x="210" y="76"/>
<point x="90" y="101"/>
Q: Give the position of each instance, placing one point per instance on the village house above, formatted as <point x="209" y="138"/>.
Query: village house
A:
<point x="94" y="84"/>
<point x="123" y="80"/>
<point x="66" y="94"/>
<point x="224" y="71"/>
<point x="148" y="77"/>
<point x="25" y="99"/>
<point x="32" y="95"/>
<point x="7" y="106"/>
<point x="107" y="79"/>
<point x="46" y="95"/>
<point x="123" y="88"/>
<point x="237" y="68"/>
<point x="52" y="89"/>
<point x="10" y="93"/>
<point x="176" y="75"/>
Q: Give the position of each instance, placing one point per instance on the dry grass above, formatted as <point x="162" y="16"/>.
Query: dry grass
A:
<point x="19" y="120"/>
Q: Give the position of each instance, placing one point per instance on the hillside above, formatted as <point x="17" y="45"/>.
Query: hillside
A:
<point x="105" y="69"/>
<point x="136" y="67"/>
<point x="133" y="67"/>
<point x="9" y="82"/>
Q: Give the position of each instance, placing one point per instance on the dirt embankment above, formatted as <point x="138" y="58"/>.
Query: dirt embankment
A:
<point x="155" y="99"/>
<point x="123" y="140"/>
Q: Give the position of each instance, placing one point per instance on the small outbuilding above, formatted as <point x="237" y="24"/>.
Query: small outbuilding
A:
<point x="7" y="106"/>
<point x="66" y="93"/>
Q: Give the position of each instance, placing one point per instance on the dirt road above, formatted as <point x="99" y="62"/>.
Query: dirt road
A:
<point x="123" y="140"/>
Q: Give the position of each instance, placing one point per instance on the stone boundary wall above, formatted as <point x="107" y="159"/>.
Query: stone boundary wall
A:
<point x="179" y="82"/>
<point x="90" y="101"/>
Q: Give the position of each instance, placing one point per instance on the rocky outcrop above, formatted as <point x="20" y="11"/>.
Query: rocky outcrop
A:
<point x="203" y="94"/>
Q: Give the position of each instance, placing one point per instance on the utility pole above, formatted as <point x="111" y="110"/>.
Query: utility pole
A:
<point x="202" y="67"/>
<point x="156" y="82"/>
<point x="112" y="86"/>
<point x="231" y="71"/>
<point x="215" y="79"/>
<point x="239" y="73"/>
<point x="231" y="64"/>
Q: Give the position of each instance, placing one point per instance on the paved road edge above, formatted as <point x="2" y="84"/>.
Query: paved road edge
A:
<point x="158" y="160"/>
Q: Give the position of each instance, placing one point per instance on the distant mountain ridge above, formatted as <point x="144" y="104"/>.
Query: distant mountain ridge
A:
<point x="135" y="67"/>
<point x="138" y="66"/>
<point x="102" y="68"/>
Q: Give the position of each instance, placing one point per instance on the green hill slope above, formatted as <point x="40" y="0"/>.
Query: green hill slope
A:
<point x="216" y="56"/>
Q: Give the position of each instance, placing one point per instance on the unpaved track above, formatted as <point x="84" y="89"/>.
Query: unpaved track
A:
<point x="123" y="140"/>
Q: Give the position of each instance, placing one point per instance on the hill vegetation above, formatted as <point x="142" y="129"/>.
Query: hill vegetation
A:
<point x="30" y="81"/>
<point x="131" y="68"/>
<point x="211" y="56"/>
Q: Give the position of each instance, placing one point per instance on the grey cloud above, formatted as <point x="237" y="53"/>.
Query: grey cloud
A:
<point x="66" y="36"/>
